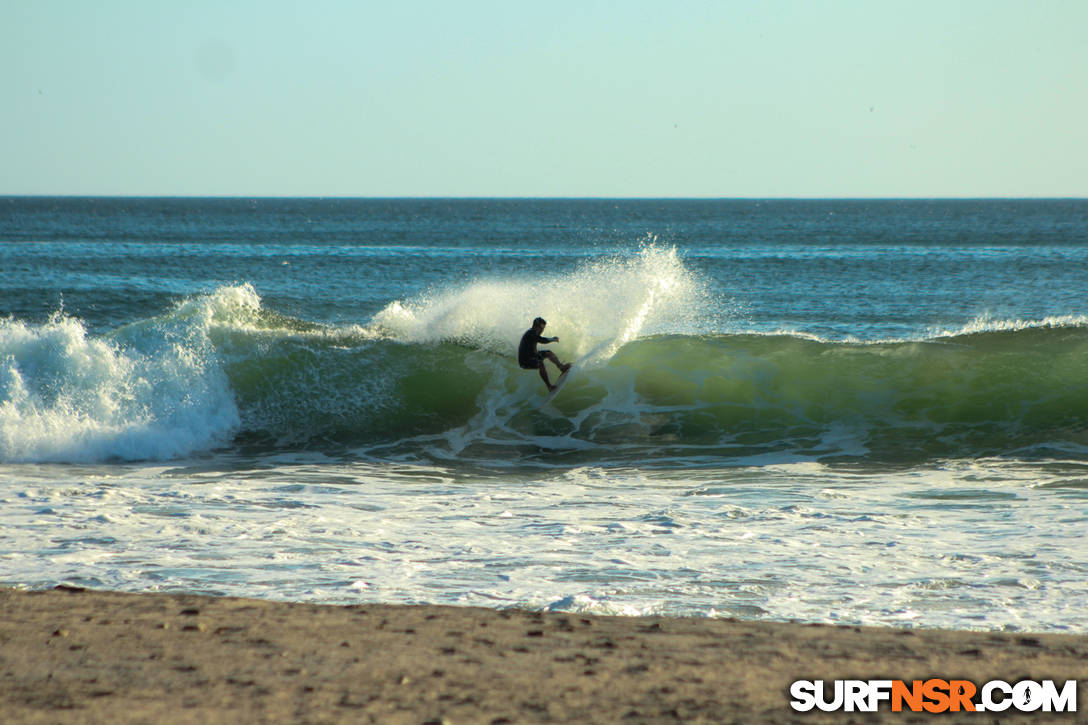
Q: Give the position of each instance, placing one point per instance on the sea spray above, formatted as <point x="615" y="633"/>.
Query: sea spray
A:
<point x="154" y="391"/>
<point x="595" y="309"/>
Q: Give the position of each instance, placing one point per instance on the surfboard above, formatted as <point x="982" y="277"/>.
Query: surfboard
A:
<point x="559" y="385"/>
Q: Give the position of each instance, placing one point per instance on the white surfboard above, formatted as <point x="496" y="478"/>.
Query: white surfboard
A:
<point x="558" y="385"/>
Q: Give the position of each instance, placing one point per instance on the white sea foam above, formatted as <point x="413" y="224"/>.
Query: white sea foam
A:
<point x="155" y="390"/>
<point x="987" y="323"/>
<point x="979" y="544"/>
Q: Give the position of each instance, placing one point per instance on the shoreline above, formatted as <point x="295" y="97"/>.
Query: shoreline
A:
<point x="84" y="656"/>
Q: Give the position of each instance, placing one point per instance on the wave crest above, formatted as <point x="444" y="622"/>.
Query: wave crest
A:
<point x="595" y="309"/>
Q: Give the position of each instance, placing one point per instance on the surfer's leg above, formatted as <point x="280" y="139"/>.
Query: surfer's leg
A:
<point x="544" y="376"/>
<point x="551" y="356"/>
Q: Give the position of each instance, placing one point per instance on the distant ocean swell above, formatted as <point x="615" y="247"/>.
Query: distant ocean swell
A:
<point x="434" y="378"/>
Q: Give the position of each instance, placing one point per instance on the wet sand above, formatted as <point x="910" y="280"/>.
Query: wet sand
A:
<point x="79" y="656"/>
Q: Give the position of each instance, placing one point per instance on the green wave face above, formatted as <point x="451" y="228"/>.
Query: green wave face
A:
<point x="677" y="397"/>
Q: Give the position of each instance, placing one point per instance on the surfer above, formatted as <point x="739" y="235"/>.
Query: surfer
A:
<point x="529" y="358"/>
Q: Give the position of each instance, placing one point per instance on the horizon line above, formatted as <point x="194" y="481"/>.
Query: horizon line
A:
<point x="336" y="197"/>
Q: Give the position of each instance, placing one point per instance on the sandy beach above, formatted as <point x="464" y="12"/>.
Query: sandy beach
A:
<point x="80" y="656"/>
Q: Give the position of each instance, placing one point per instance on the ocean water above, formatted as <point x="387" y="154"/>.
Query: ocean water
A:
<point x="870" y="412"/>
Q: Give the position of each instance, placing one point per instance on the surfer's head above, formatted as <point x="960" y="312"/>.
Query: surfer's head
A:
<point x="539" y="323"/>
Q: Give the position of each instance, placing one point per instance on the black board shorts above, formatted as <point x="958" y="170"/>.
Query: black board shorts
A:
<point x="528" y="364"/>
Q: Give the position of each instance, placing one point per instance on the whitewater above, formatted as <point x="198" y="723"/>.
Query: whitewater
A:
<point x="850" y="412"/>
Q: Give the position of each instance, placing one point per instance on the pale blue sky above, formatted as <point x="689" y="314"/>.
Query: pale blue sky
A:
<point x="510" y="98"/>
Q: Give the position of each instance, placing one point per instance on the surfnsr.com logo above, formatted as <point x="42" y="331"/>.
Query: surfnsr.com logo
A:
<point x="933" y="695"/>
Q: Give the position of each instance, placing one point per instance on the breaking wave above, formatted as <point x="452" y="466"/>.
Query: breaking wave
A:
<point x="434" y="377"/>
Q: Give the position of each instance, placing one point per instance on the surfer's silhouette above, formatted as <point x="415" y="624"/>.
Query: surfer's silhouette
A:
<point x="529" y="358"/>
